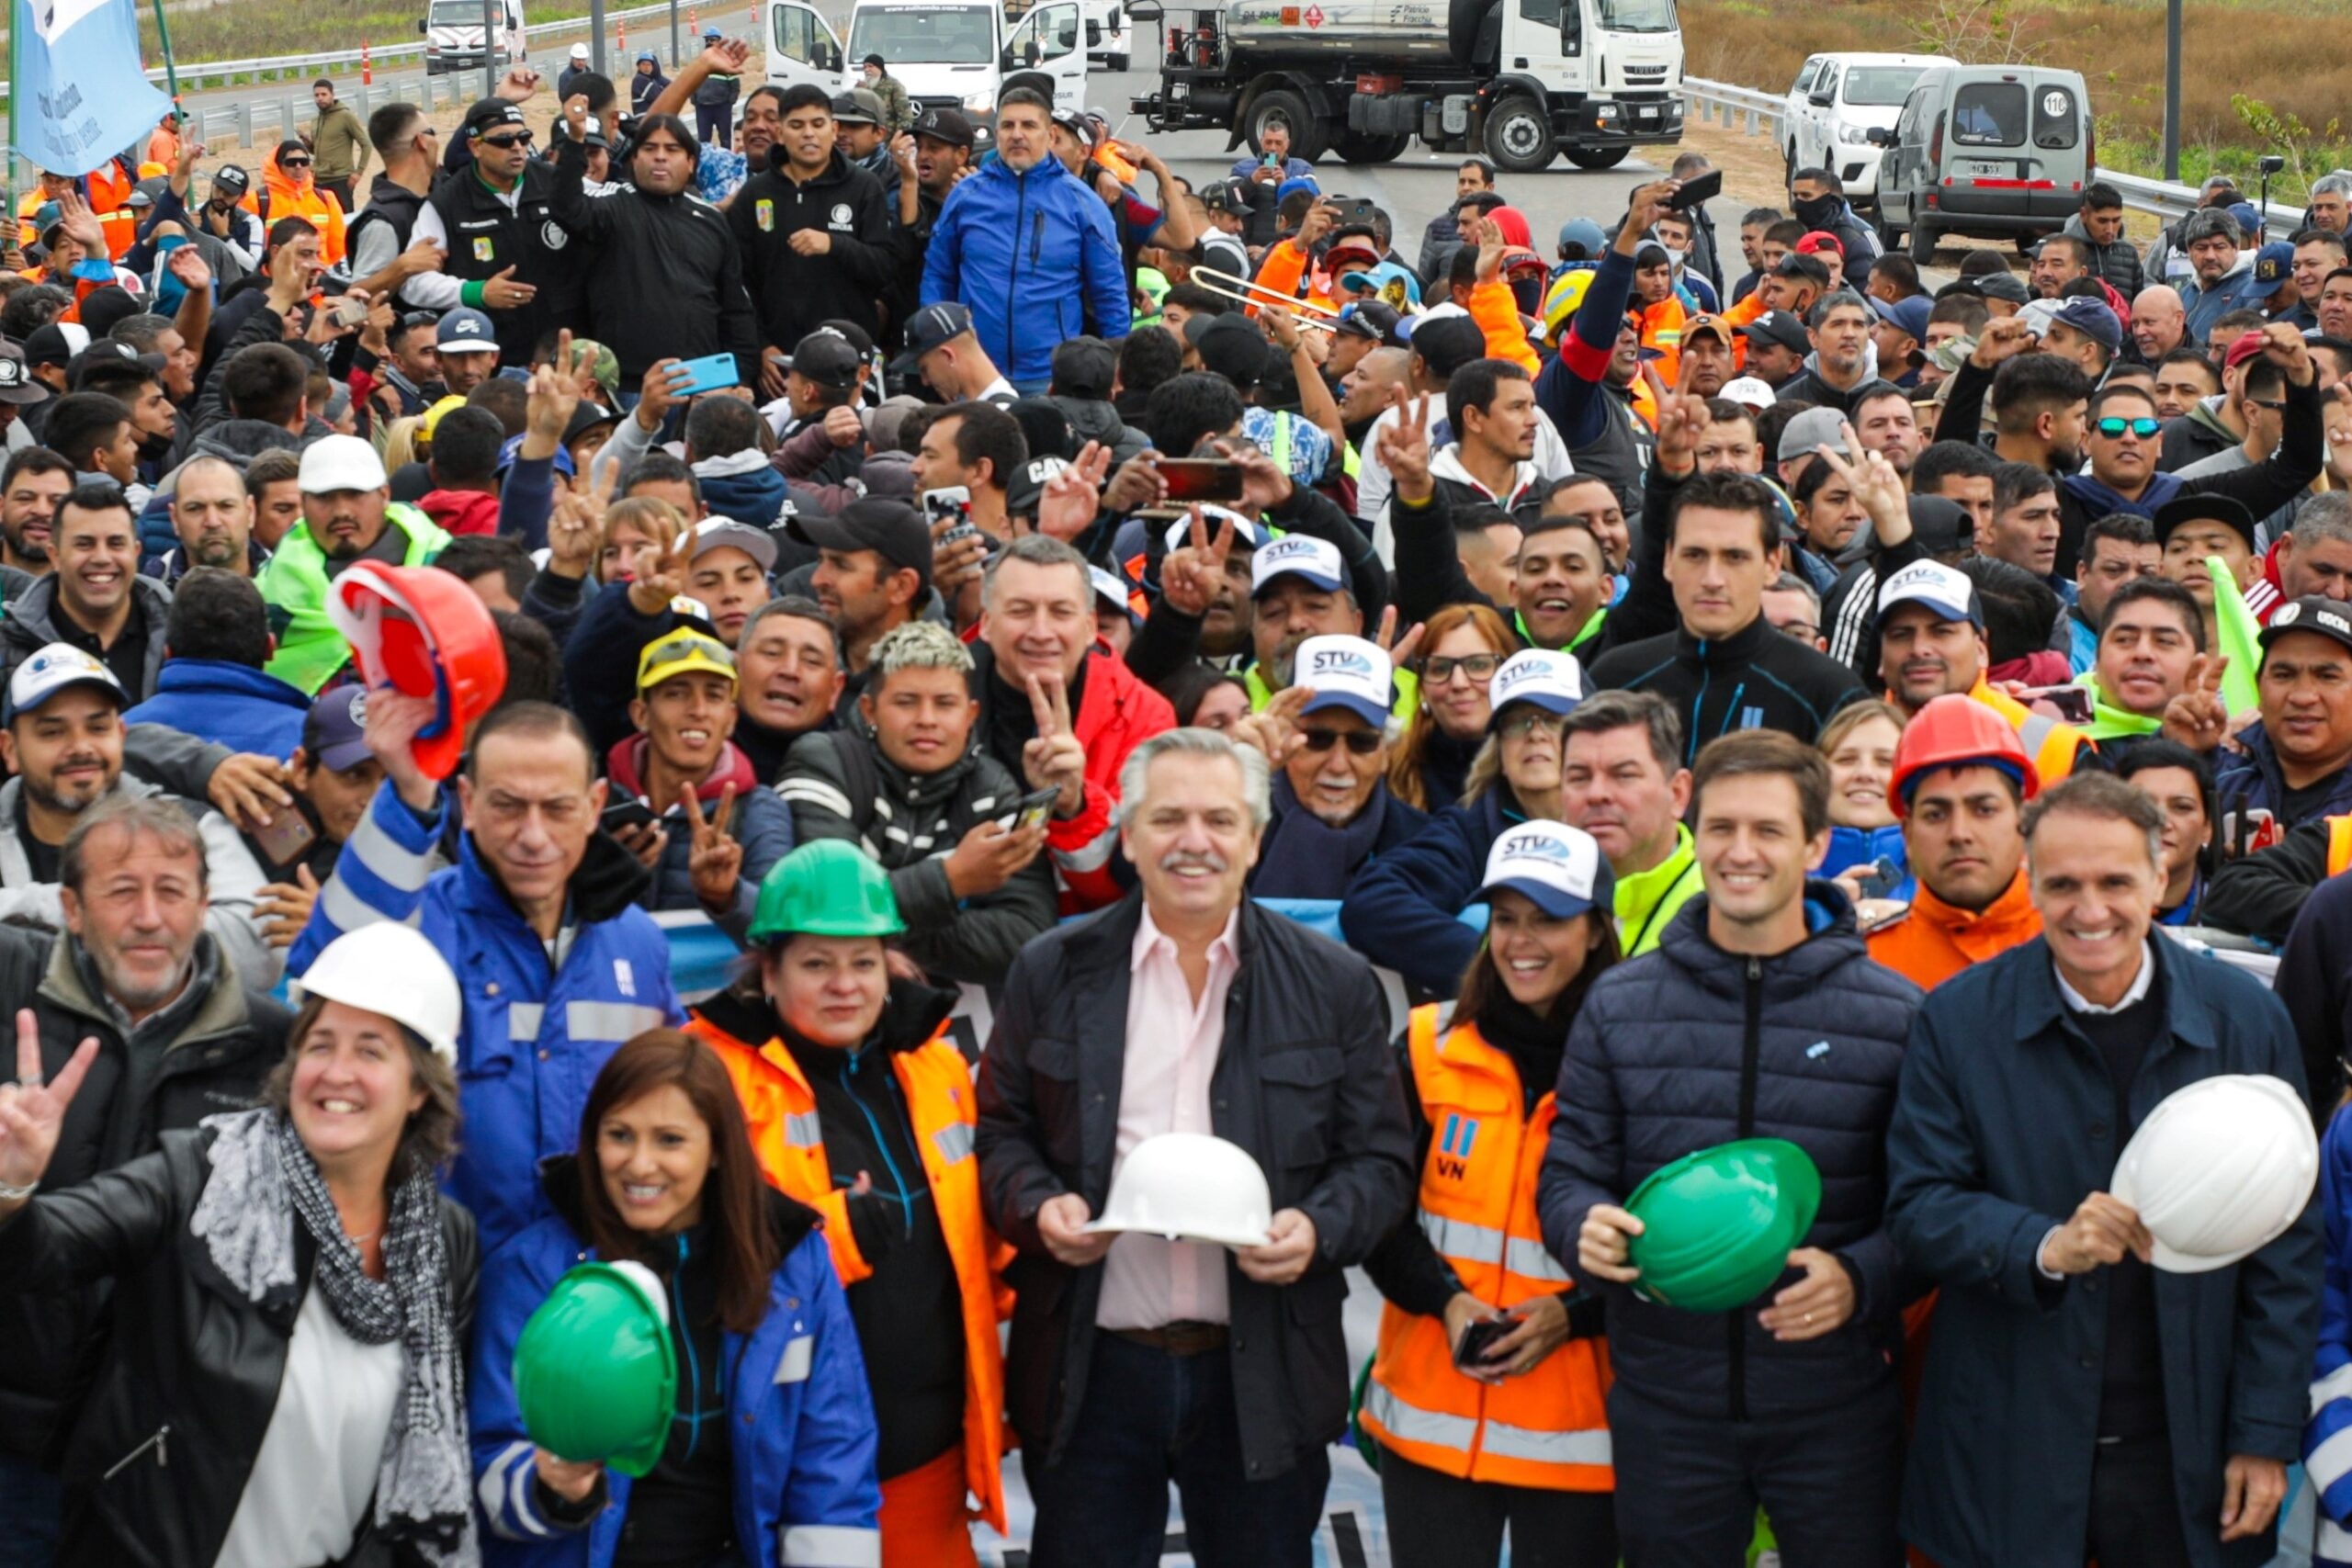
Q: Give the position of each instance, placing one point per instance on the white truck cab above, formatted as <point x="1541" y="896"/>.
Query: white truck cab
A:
<point x="947" y="53"/>
<point x="1828" y="112"/>
<point x="452" y="30"/>
<point x="1106" y="33"/>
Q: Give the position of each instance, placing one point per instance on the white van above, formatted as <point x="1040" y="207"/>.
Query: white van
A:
<point x="1826" y="117"/>
<point x="452" y="30"/>
<point x="1106" y="33"/>
<point x="947" y="53"/>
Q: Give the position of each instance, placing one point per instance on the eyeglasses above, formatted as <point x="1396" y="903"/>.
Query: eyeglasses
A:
<point x="1437" y="669"/>
<point x="1362" y="742"/>
<point x="1521" y="724"/>
<point x="2274" y="406"/>
<point x="508" y="143"/>
<point x="2113" y="429"/>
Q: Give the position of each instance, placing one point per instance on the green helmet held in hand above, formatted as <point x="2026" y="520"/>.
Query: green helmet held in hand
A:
<point x="595" y="1371"/>
<point x="1718" y="1225"/>
<point x="828" y="888"/>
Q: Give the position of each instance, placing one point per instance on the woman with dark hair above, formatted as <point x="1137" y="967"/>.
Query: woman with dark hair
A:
<point x="281" y="1383"/>
<point x="773" y="1441"/>
<point x="1463" y="645"/>
<point x="2181" y="782"/>
<point x="1486" y="1398"/>
<point x="862" y="1106"/>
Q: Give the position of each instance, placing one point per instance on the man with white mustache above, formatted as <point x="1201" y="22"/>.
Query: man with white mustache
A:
<point x="1138" y="1360"/>
<point x="1332" y="804"/>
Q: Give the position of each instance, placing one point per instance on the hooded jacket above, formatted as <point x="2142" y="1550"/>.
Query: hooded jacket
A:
<point x="759" y="822"/>
<point x="1835" y="215"/>
<point x="1034" y="258"/>
<point x="792" y="292"/>
<point x="289" y="198"/>
<point x="2117" y="265"/>
<point x="460" y="510"/>
<point x="31" y="624"/>
<point x="745" y="486"/>
<point x="2195" y="435"/>
<point x="241" y="707"/>
<point x="1403" y="911"/>
<point x="1932" y="940"/>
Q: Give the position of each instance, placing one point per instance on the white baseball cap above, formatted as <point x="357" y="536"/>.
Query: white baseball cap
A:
<point x="1552" y="681"/>
<point x="340" y="462"/>
<point x="1110" y="589"/>
<point x="1749" y="392"/>
<point x="1245" y="532"/>
<point x="1345" y="673"/>
<point x="1298" y="555"/>
<point x="1946" y="591"/>
<point x="1557" y="868"/>
<point x="2037" y="315"/>
<point x="713" y="533"/>
<point x="52" y="669"/>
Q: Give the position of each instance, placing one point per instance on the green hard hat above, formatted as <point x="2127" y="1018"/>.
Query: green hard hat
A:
<point x="1718" y="1225"/>
<point x="595" y="1374"/>
<point x="828" y="888"/>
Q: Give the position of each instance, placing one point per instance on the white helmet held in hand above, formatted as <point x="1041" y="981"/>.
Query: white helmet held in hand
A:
<point x="1188" y="1187"/>
<point x="387" y="968"/>
<point x="2220" y="1169"/>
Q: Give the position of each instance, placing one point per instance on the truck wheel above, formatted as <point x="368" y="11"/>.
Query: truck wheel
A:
<point x="1363" y="147"/>
<point x="1519" y="136"/>
<point x="1923" y="241"/>
<point x="1392" y="148"/>
<point x="1286" y="108"/>
<point x="1597" y="157"/>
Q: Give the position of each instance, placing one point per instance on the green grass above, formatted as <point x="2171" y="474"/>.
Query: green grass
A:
<point x="250" y="29"/>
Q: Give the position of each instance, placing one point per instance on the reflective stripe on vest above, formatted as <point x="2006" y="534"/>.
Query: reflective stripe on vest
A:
<point x="2340" y="844"/>
<point x="1483" y="1244"/>
<point x="2033" y="731"/>
<point x="802" y="1130"/>
<point x="1411" y="1424"/>
<point x="953" y="1143"/>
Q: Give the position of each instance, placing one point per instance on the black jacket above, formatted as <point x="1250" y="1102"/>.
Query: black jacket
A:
<point x="1305" y="1081"/>
<point x="486" y="237"/>
<point x="791" y="292"/>
<point x="2260" y="894"/>
<point x="214" y="1061"/>
<point x="390" y="202"/>
<point x="191" y="1373"/>
<point x="1754" y="679"/>
<point x="1806" y="386"/>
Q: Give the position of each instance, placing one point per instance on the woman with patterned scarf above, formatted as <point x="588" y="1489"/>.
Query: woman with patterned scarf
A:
<point x="282" y="1383"/>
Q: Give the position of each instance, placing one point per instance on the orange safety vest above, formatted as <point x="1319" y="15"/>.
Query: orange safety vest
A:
<point x="2050" y="744"/>
<point x="780" y="1112"/>
<point x="1933" y="941"/>
<point x="2340" y="844"/>
<point x="1549" y="1428"/>
<point x="110" y="190"/>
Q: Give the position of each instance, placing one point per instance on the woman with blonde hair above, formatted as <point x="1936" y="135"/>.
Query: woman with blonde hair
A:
<point x="1465" y="645"/>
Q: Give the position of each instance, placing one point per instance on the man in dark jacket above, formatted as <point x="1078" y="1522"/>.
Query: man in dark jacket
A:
<point x="715" y="99"/>
<point x="179" y="1040"/>
<point x="1135" y="1360"/>
<point x="506" y="250"/>
<point x="2099" y="225"/>
<point x="1819" y="202"/>
<point x="1759" y="1015"/>
<point x="814" y="233"/>
<point x="2079" y="1402"/>
<point x="2295" y="765"/>
<point x="911" y="788"/>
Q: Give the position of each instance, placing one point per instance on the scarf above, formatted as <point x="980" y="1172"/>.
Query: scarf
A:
<point x="1305" y="857"/>
<point x="263" y="1182"/>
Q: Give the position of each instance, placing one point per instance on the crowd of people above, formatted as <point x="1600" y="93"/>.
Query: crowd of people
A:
<point x="1468" y="732"/>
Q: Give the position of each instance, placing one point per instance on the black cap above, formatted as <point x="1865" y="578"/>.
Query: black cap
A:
<point x="16" y="384"/>
<point x="2223" y="509"/>
<point x="587" y="417"/>
<point x="949" y="125"/>
<point x="859" y="338"/>
<point x="1943" y="527"/>
<point x="827" y="359"/>
<point x="1223" y="195"/>
<point x="110" y="351"/>
<point x="2330" y="619"/>
<point x="2004" y="286"/>
<point x="1781" y="328"/>
<point x="489" y="113"/>
<point x="1231" y="346"/>
<point x="47" y="346"/>
<point x="929" y="328"/>
<point x="1084" y="367"/>
<point x="1373" y="319"/>
<point x="1448" y="344"/>
<point x="847" y="110"/>
<point x="891" y="529"/>
<point x="1026" y="486"/>
<point x="229" y="177"/>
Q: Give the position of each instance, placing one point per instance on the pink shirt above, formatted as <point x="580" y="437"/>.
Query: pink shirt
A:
<point x="1172" y="1044"/>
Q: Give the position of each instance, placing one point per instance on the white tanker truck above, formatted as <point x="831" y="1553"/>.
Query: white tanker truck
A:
<point x="1517" y="80"/>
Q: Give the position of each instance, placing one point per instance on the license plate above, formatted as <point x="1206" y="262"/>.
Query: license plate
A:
<point x="1646" y="112"/>
<point x="1987" y="168"/>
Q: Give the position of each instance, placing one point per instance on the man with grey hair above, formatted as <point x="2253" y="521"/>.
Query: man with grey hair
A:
<point x="2315" y="555"/>
<point x="2118" y="1413"/>
<point x="913" y="789"/>
<point x="2220" y="275"/>
<point x="180" y="1038"/>
<point x="2331" y="203"/>
<point x="1135" y="1360"/>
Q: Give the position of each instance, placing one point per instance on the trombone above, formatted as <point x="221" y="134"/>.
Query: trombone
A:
<point x="1311" y="314"/>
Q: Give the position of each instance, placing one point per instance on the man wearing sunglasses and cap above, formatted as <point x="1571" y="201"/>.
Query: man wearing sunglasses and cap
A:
<point x="505" y="251"/>
<point x="1332" y="810"/>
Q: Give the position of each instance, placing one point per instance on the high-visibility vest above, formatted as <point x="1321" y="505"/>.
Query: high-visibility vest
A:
<point x="1550" y="1427"/>
<point x="780" y="1111"/>
<point x="2340" y="844"/>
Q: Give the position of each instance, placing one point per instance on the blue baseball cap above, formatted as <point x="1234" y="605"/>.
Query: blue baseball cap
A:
<point x="1557" y="868"/>
<point x="2273" y="264"/>
<point x="465" y="331"/>
<point x="1282" y="191"/>
<point x="563" y="465"/>
<point x="1584" y="236"/>
<point x="334" y="732"/>
<point x="2095" y="320"/>
<point x="1348" y="672"/>
<point x="1550" y="680"/>
<point x="1909" y="315"/>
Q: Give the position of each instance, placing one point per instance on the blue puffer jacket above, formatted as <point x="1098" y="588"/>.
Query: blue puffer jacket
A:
<point x="1690" y="1046"/>
<point x="2253" y="793"/>
<point x="1850" y="847"/>
<point x="1034" y="258"/>
<point x="799" y="1419"/>
<point x="1401" y="912"/>
<point x="212" y="699"/>
<point x="532" y="1039"/>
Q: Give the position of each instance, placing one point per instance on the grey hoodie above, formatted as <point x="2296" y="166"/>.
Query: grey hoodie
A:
<point x="31" y="626"/>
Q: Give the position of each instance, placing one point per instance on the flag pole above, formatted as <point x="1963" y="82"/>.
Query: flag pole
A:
<point x="17" y="13"/>
<point x="171" y="71"/>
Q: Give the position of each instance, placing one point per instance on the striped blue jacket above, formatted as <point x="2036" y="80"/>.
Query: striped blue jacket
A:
<point x="2327" y="1438"/>
<point x="534" y="1034"/>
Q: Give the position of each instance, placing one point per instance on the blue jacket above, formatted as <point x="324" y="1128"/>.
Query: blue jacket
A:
<point x="531" y="1041"/>
<point x="757" y="498"/>
<point x="2005" y="1121"/>
<point x="1850" y="847"/>
<point x="1401" y="910"/>
<point x="242" y="708"/>
<point x="1689" y="1047"/>
<point x="2253" y="792"/>
<point x="799" y="1418"/>
<point x="1034" y="258"/>
<point x="2330" y="1466"/>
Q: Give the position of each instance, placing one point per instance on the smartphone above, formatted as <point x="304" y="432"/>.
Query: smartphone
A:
<point x="1470" y="1350"/>
<point x="951" y="504"/>
<point x="1270" y="162"/>
<point x="1201" y="478"/>
<point x="631" y="812"/>
<point x="714" y="374"/>
<point x="1883" y="878"/>
<point x="1706" y="187"/>
<point x="349" y="313"/>
<point x="2072" y="703"/>
<point x="1032" y="810"/>
<point x="286" y="838"/>
<point x="1358" y="209"/>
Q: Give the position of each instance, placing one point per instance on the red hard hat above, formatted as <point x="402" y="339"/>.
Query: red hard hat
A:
<point x="1956" y="731"/>
<point x="424" y="632"/>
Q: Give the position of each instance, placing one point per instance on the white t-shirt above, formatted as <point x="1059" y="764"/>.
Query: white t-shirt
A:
<point x="316" y="1472"/>
<point x="1374" y="485"/>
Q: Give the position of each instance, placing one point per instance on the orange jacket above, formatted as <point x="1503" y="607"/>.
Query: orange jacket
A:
<point x="1283" y="266"/>
<point x="1933" y="941"/>
<point x="1496" y="309"/>
<point x="1548" y="1428"/>
<point x="789" y="1140"/>
<point x="1662" y="330"/>
<point x="1735" y="317"/>
<point x="287" y="199"/>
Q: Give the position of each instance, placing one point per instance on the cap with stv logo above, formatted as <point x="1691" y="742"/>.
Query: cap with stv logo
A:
<point x="54" y="670"/>
<point x="1557" y="868"/>
<point x="1344" y="672"/>
<point x="2330" y="619"/>
<point x="686" y="653"/>
<point x="1312" y="560"/>
<point x="1946" y="591"/>
<point x="1552" y="681"/>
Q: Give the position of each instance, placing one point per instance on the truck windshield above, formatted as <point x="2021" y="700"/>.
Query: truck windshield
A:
<point x="928" y="35"/>
<point x="1637" y="16"/>
<point x="1879" y="87"/>
<point x="456" y="14"/>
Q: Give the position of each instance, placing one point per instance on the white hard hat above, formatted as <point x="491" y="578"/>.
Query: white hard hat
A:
<point x="1188" y="1187"/>
<point x="2220" y="1169"/>
<point x="385" y="967"/>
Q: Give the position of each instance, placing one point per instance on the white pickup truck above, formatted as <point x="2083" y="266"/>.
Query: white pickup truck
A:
<point x="1827" y="115"/>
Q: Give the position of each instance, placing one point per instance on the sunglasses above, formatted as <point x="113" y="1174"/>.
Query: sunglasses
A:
<point x="1437" y="670"/>
<point x="507" y="143"/>
<point x="294" y="162"/>
<point x="2114" y="428"/>
<point x="1362" y="742"/>
<point x="1520" y="726"/>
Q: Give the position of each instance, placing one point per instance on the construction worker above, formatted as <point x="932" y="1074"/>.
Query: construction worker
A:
<point x="1514" y="1433"/>
<point x="1962" y="778"/>
<point x="861" y="1107"/>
